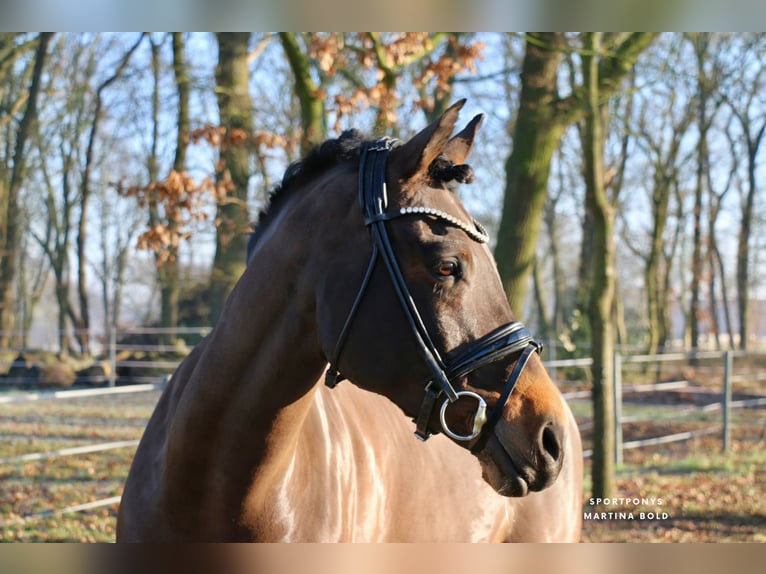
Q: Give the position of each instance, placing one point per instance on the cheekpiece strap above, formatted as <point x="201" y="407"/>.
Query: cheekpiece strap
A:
<point x="497" y="410"/>
<point x="426" y="408"/>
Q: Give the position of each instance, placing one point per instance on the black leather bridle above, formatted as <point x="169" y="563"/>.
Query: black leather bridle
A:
<point x="504" y="341"/>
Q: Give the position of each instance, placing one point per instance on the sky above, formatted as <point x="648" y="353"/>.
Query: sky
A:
<point x="113" y="21"/>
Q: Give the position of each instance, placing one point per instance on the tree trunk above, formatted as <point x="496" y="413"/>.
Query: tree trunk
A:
<point x="743" y="240"/>
<point x="559" y="280"/>
<point x="536" y="136"/>
<point x="167" y="261"/>
<point x="715" y="263"/>
<point x="724" y="294"/>
<point x="700" y="42"/>
<point x="31" y="287"/>
<point x="168" y="273"/>
<point x="543" y="324"/>
<point x="233" y="173"/>
<point x="655" y="284"/>
<point x="59" y="252"/>
<point x="694" y="309"/>
<point x="82" y="323"/>
<point x="541" y="121"/>
<point x="9" y="231"/>
<point x="554" y="324"/>
<point x="602" y="277"/>
<point x="313" y="125"/>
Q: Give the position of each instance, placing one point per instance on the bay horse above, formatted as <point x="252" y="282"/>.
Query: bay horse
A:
<point x="365" y="260"/>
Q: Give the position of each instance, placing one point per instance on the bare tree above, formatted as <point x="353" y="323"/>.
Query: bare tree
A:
<point x="602" y="279"/>
<point x="746" y="101"/>
<point x="233" y="172"/>
<point x="9" y="202"/>
<point x="86" y="191"/>
<point x="541" y="121"/>
<point x="662" y="126"/>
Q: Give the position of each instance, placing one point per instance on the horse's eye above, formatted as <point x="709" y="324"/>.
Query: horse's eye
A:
<point x="447" y="269"/>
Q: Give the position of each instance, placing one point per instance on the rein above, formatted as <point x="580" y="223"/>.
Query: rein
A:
<point x="504" y="341"/>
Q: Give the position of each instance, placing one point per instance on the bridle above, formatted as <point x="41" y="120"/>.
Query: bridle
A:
<point x="504" y="341"/>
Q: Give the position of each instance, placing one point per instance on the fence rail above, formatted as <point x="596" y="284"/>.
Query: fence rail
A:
<point x="87" y="449"/>
<point x="112" y="500"/>
<point x="725" y="405"/>
<point x="112" y="347"/>
<point x="72" y="451"/>
<point x="79" y="393"/>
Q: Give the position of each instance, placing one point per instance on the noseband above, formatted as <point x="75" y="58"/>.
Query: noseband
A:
<point x="507" y="340"/>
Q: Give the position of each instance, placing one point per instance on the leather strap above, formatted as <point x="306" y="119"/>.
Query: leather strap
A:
<point x="503" y="342"/>
<point x="497" y="410"/>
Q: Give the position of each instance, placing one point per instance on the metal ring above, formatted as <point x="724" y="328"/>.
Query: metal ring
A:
<point x="478" y="419"/>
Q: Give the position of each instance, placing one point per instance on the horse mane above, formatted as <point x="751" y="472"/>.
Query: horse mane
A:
<point x="328" y="154"/>
<point x="333" y="152"/>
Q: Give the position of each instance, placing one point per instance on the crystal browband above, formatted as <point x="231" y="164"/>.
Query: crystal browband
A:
<point x="477" y="232"/>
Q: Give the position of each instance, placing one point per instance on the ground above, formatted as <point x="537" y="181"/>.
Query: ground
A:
<point x="707" y="495"/>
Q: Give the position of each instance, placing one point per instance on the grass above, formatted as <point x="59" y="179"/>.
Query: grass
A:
<point x="42" y="486"/>
<point x="708" y="495"/>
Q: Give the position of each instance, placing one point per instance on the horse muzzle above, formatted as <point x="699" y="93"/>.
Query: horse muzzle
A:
<point x="513" y="470"/>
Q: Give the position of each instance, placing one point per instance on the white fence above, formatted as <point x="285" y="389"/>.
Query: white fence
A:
<point x="74" y="451"/>
<point x="120" y="352"/>
<point x="725" y="405"/>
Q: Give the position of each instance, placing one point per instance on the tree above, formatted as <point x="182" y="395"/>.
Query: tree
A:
<point x="354" y="71"/>
<point x="86" y="192"/>
<point x="551" y="325"/>
<point x="704" y="97"/>
<point x="169" y="272"/>
<point x="663" y="123"/>
<point x="313" y="118"/>
<point x="60" y="202"/>
<point x="715" y="261"/>
<point x="542" y="118"/>
<point x="233" y="170"/>
<point x="119" y="227"/>
<point x="9" y="220"/>
<point x="602" y="277"/>
<point x="166" y="252"/>
<point x="745" y="98"/>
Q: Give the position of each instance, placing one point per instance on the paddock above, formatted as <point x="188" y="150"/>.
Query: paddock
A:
<point x="64" y="454"/>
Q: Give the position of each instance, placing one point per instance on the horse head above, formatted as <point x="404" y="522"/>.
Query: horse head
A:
<point x="411" y="306"/>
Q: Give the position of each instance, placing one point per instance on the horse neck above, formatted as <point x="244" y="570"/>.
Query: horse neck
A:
<point x="248" y="392"/>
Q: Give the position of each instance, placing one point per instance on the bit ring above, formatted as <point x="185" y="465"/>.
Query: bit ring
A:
<point x="479" y="418"/>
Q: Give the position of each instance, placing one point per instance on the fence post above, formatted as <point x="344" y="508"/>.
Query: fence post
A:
<point x="552" y="357"/>
<point x="617" y="394"/>
<point x="728" y="365"/>
<point x="112" y="356"/>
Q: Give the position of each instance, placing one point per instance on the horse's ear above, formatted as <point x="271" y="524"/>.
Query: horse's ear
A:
<point x="417" y="154"/>
<point x="458" y="148"/>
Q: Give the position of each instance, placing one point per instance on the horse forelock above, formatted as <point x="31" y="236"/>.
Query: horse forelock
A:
<point x="444" y="170"/>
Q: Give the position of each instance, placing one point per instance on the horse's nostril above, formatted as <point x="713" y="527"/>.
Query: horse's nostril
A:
<point x="550" y="441"/>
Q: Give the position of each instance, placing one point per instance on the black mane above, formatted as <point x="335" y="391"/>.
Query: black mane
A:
<point x="326" y="155"/>
<point x="333" y="152"/>
<point x="330" y="153"/>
